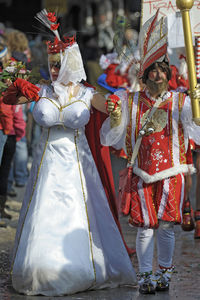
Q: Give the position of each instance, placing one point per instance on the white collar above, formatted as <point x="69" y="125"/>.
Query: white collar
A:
<point x="164" y="97"/>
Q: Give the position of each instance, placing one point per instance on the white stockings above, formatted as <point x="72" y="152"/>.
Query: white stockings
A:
<point x="145" y="246"/>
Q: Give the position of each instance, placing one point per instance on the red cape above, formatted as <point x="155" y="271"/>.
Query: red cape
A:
<point x="101" y="155"/>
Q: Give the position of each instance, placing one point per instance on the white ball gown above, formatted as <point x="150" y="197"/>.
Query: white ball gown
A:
<point x="67" y="240"/>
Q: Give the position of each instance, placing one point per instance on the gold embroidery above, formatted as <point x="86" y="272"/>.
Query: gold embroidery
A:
<point x="128" y="143"/>
<point x="148" y="103"/>
<point x="158" y="120"/>
<point x="176" y="204"/>
<point x="81" y="179"/>
<point x="145" y="101"/>
<point x="161" y="27"/>
<point x="75" y="102"/>
<point x="51" y="102"/>
<point x="62" y="107"/>
<point x="165" y="102"/>
<point x="137" y="125"/>
<point x="182" y="155"/>
<point x="171" y="136"/>
<point x="154" y="202"/>
<point x="154" y="33"/>
<point x="137" y="117"/>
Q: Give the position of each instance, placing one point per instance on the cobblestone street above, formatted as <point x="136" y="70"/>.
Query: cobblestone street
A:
<point x="184" y="284"/>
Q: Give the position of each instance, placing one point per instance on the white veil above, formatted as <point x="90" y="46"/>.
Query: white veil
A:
<point x="72" y="70"/>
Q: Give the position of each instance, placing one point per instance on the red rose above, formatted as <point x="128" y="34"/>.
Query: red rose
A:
<point x="51" y="17"/>
<point x="54" y="26"/>
<point x="114" y="98"/>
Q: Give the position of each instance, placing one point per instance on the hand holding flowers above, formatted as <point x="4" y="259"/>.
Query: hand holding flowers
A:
<point x="15" y="78"/>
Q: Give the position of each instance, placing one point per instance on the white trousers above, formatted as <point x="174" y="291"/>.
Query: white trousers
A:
<point x="165" y="246"/>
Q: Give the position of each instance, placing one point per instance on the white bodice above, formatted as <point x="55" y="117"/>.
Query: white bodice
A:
<point x="74" y="114"/>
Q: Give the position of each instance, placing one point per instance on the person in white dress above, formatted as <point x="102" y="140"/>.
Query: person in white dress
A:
<point x="67" y="240"/>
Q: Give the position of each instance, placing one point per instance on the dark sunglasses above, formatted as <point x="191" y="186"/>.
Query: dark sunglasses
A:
<point x="56" y="64"/>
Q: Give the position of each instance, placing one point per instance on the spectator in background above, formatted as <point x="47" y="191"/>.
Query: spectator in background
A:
<point x="18" y="45"/>
<point x="105" y="29"/>
<point x="6" y="120"/>
<point x="33" y="132"/>
<point x="19" y="172"/>
<point x="5" y="111"/>
<point x="38" y="56"/>
<point x="16" y="133"/>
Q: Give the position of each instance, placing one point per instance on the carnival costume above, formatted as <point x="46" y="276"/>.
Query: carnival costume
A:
<point x="155" y="164"/>
<point x="154" y="193"/>
<point x="67" y="240"/>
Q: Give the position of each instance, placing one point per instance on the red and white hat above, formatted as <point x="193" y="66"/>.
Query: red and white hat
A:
<point x="152" y="42"/>
<point x="49" y="20"/>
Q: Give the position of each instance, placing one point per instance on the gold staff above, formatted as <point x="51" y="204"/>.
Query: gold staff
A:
<point x="185" y="6"/>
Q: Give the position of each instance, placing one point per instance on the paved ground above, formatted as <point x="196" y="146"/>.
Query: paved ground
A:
<point x="185" y="283"/>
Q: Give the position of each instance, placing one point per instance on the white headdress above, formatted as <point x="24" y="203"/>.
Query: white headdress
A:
<point x="72" y="69"/>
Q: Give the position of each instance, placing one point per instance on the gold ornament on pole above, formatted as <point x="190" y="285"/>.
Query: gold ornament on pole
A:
<point x="185" y="6"/>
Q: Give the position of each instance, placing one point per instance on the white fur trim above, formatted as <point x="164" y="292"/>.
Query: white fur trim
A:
<point x="163" y="174"/>
<point x="164" y="198"/>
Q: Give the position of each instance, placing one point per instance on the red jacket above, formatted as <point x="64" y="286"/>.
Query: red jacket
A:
<point x="6" y="117"/>
<point x="19" y="125"/>
<point x="11" y="120"/>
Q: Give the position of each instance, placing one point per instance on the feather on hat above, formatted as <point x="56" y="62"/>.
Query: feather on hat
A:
<point x="152" y="42"/>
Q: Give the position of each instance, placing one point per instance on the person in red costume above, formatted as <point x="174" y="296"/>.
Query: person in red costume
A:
<point x="154" y="127"/>
<point x="67" y="240"/>
<point x="119" y="74"/>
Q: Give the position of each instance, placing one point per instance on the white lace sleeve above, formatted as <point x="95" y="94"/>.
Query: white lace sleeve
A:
<point x="115" y="137"/>
<point x="191" y="130"/>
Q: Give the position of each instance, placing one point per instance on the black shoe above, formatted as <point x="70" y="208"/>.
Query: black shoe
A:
<point x="146" y="285"/>
<point x="12" y="193"/>
<point x="19" y="185"/>
<point x="162" y="284"/>
<point x="2" y="223"/>
<point x="4" y="215"/>
<point x="162" y="278"/>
